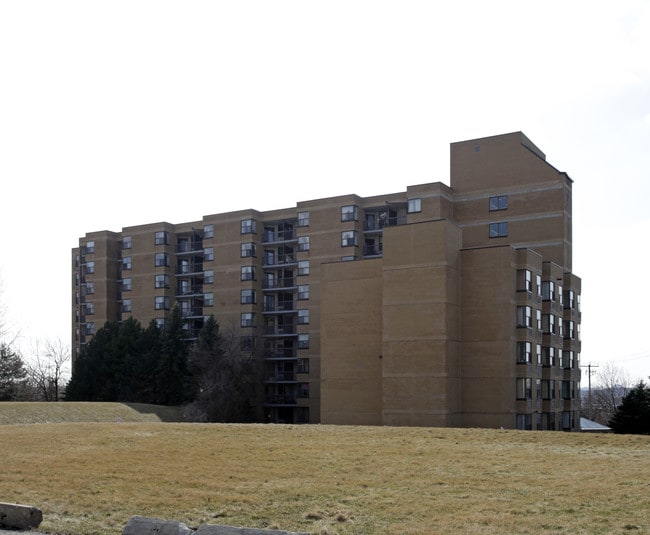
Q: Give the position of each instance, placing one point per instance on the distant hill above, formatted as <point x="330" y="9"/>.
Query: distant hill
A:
<point x="39" y="413"/>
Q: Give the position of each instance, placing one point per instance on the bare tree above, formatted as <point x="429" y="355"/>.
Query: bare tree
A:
<point x="48" y="370"/>
<point x="612" y="385"/>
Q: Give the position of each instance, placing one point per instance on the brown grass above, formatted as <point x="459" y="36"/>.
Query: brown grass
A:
<point x="91" y="477"/>
<point x="47" y="413"/>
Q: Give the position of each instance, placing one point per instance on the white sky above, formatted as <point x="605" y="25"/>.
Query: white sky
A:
<point x="128" y="112"/>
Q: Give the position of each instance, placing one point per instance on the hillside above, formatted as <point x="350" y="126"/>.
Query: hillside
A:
<point x="41" y="413"/>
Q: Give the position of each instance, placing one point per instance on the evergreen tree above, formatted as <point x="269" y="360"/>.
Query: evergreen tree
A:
<point x="633" y="414"/>
<point x="172" y="374"/>
<point x="223" y="377"/>
<point x="12" y="373"/>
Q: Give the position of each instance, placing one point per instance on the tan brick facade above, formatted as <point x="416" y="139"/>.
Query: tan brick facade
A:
<point x="437" y="306"/>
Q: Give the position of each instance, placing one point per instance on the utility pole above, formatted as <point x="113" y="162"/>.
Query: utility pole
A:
<point x="589" y="373"/>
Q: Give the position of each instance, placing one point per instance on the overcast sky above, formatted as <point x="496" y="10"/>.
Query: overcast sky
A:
<point x="128" y="112"/>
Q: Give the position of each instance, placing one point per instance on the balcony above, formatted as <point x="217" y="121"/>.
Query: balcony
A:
<point x="279" y="283"/>
<point x="189" y="247"/>
<point x="280" y="260"/>
<point x="185" y="291"/>
<point x="380" y="223"/>
<point x="373" y="250"/>
<point x="279" y="236"/>
<point x="282" y="377"/>
<point x="280" y="400"/>
<point x="195" y="268"/>
<point x="192" y="312"/>
<point x="281" y="330"/>
<point x="281" y="307"/>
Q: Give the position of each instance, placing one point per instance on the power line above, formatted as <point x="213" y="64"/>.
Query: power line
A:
<point x="589" y="374"/>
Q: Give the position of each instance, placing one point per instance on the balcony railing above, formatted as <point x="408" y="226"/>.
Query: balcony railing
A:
<point x="280" y="260"/>
<point x="282" y="306"/>
<point x="281" y="400"/>
<point x="279" y="236"/>
<point x="193" y="312"/>
<point x="282" y="282"/>
<point x="381" y="223"/>
<point x="281" y="330"/>
<point x="373" y="250"/>
<point x="282" y="377"/>
<point x="189" y="247"/>
<point x="196" y="267"/>
<point x="194" y="289"/>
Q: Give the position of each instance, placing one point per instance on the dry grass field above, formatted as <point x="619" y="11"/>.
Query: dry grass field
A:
<point x="89" y="478"/>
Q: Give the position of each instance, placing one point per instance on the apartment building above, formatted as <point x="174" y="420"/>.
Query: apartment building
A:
<point x="435" y="306"/>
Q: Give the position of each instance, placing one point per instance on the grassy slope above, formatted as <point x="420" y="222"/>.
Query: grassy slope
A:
<point x="39" y="413"/>
<point x="327" y="479"/>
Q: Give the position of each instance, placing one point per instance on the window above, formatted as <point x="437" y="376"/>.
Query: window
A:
<point x="569" y="299"/>
<point x="303" y="243"/>
<point x="161" y="238"/>
<point x="208" y="231"/>
<point x="303" y="219"/>
<point x="161" y="260"/>
<point x="303" y="291"/>
<point x="548" y="389"/>
<point x="126" y="262"/>
<point x="567" y="421"/>
<point x="303" y="366"/>
<point x="303" y="390"/>
<point x="524" y="280"/>
<point x="548" y="324"/>
<point x="161" y="303"/>
<point x="499" y="230"/>
<point x="90" y="328"/>
<point x="560" y="358"/>
<point x="548" y="356"/>
<point x="568" y="359"/>
<point x="498" y="202"/>
<point x="208" y="254"/>
<point x="90" y="288"/>
<point x="548" y="291"/>
<point x="248" y="226"/>
<point x="90" y="308"/>
<point x="560" y="295"/>
<point x="247" y="250"/>
<point x="524" y="388"/>
<point x="349" y="238"/>
<point x="161" y="281"/>
<point x="303" y="267"/>
<point x="524" y="421"/>
<point x="524" y="352"/>
<point x="303" y="341"/>
<point x="538" y="285"/>
<point x="538" y="319"/>
<point x="126" y="242"/>
<point x="90" y="267"/>
<point x="208" y="277"/>
<point x="349" y="213"/>
<point x="248" y="273"/>
<point x="247" y="319"/>
<point x="90" y="247"/>
<point x="248" y="297"/>
<point x="303" y="316"/>
<point x="208" y="299"/>
<point x="126" y="305"/>
<point x="126" y="285"/>
<point x="247" y="343"/>
<point x="414" y="205"/>
<point x="538" y="351"/>
<point x="524" y="316"/>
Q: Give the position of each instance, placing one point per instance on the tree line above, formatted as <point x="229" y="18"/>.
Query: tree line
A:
<point x="126" y="362"/>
